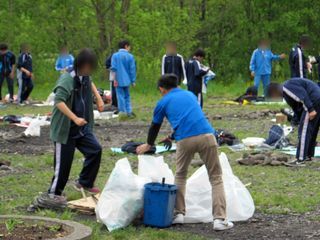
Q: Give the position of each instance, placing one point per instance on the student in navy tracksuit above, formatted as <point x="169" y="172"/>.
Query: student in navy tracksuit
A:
<point x="26" y="74"/>
<point x="195" y="73"/>
<point x="299" y="63"/>
<point x="114" y="101"/>
<point x="172" y="62"/>
<point x="7" y="68"/>
<point x="301" y="93"/>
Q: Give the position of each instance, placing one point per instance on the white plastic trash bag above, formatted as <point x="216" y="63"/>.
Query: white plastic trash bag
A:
<point x="121" y="200"/>
<point x="154" y="168"/>
<point x="253" y="141"/>
<point x="34" y="128"/>
<point x="240" y="205"/>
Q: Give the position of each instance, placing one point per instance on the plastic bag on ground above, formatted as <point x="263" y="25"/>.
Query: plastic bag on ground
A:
<point x="240" y="205"/>
<point x="121" y="200"/>
<point x="155" y="168"/>
<point x="34" y="128"/>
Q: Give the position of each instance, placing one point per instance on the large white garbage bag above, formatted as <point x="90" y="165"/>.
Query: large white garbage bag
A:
<point x="121" y="200"/>
<point x="240" y="205"/>
<point x="34" y="128"/>
<point x="154" y="168"/>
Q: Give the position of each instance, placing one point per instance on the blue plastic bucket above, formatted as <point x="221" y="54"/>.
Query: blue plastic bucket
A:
<point x="159" y="203"/>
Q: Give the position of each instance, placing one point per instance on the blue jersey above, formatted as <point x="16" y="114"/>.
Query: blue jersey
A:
<point x="64" y="62"/>
<point x="123" y="64"/>
<point x="183" y="112"/>
<point x="261" y="61"/>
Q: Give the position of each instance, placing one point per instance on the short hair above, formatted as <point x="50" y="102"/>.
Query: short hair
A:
<point x="273" y="88"/>
<point x="305" y="40"/>
<point x="85" y="56"/>
<point x="200" y="53"/>
<point x="171" y="43"/>
<point x="3" y="46"/>
<point x="264" y="40"/>
<point x="168" y="81"/>
<point x="123" y="43"/>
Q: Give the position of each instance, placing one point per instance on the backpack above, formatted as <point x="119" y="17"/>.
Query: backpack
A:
<point x="224" y="137"/>
<point x="277" y="138"/>
<point x="108" y="61"/>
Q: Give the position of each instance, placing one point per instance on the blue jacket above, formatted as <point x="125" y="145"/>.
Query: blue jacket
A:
<point x="124" y="65"/>
<point x="194" y="73"/>
<point x="64" y="62"/>
<point x="261" y="61"/>
<point x="174" y="64"/>
<point x="301" y="92"/>
<point x="7" y="60"/>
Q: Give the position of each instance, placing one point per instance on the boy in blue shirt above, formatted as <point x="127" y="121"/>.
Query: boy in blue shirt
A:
<point x="261" y="64"/>
<point x="64" y="62"/>
<point x="193" y="134"/>
<point x="7" y="68"/>
<point x="124" y="66"/>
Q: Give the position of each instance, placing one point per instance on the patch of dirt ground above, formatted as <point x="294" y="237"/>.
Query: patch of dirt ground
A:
<point x="110" y="134"/>
<point x="263" y="226"/>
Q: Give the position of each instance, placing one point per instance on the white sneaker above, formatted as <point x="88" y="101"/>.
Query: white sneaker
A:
<point x="178" y="219"/>
<point x="220" y="225"/>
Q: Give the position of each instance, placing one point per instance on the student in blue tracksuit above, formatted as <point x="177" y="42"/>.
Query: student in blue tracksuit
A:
<point x="172" y="62"/>
<point x="299" y="63"/>
<point x="64" y="62"/>
<point x="301" y="93"/>
<point x="7" y="68"/>
<point x="124" y="66"/>
<point x="261" y="64"/>
<point x="26" y="74"/>
<point x="195" y="72"/>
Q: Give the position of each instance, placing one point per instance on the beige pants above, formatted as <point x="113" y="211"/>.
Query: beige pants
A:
<point x="206" y="146"/>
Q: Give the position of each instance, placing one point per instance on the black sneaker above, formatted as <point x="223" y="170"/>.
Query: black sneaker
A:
<point x="296" y="163"/>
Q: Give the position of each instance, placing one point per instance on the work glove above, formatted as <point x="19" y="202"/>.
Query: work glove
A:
<point x="167" y="142"/>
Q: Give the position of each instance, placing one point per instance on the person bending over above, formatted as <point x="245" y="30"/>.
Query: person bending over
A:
<point x="301" y="93"/>
<point x="193" y="134"/>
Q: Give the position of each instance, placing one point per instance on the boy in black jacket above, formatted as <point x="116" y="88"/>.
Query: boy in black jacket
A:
<point x="172" y="62"/>
<point x="301" y="93"/>
<point x="195" y="72"/>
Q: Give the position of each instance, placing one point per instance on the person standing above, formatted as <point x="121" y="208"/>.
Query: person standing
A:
<point x="64" y="62"/>
<point x="72" y="128"/>
<point x="195" y="73"/>
<point x="124" y="66"/>
<point x="7" y="69"/>
<point x="26" y="74"/>
<point x="301" y="93"/>
<point x="193" y="134"/>
<point x="114" y="101"/>
<point x="261" y="64"/>
<point x="172" y="62"/>
<point x="299" y="63"/>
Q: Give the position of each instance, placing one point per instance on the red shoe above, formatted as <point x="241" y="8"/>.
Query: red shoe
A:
<point x="79" y="187"/>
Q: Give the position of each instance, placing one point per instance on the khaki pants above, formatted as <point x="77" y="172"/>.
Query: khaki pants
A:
<point x="206" y="146"/>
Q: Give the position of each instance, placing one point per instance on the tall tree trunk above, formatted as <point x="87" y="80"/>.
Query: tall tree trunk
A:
<point x="124" y="26"/>
<point x="101" y="10"/>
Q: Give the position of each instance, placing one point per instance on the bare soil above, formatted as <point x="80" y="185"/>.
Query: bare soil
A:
<point x="32" y="231"/>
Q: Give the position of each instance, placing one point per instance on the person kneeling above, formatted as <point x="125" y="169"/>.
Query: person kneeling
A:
<point x="193" y="134"/>
<point x="303" y="96"/>
<point x="71" y="129"/>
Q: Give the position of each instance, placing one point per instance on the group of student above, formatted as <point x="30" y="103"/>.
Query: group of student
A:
<point x="71" y="128"/>
<point x="22" y="69"/>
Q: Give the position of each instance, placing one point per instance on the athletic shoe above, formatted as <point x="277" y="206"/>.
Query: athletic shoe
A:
<point x="178" y="219"/>
<point x="296" y="163"/>
<point x="220" y="225"/>
<point x="79" y="187"/>
<point x="49" y="201"/>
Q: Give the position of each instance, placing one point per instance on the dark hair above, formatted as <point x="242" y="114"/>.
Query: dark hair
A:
<point x="305" y="40"/>
<point x="263" y="40"/>
<point x="3" y="46"/>
<point x="274" y="89"/>
<point x="123" y="43"/>
<point x="168" y="81"/>
<point x="171" y="43"/>
<point x="200" y="53"/>
<point x="85" y="56"/>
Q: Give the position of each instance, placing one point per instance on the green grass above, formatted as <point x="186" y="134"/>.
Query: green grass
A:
<point x="274" y="189"/>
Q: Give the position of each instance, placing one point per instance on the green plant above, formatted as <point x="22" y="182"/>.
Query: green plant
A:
<point x="12" y="223"/>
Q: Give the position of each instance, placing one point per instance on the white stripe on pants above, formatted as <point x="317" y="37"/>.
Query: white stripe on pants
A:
<point x="57" y="168"/>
